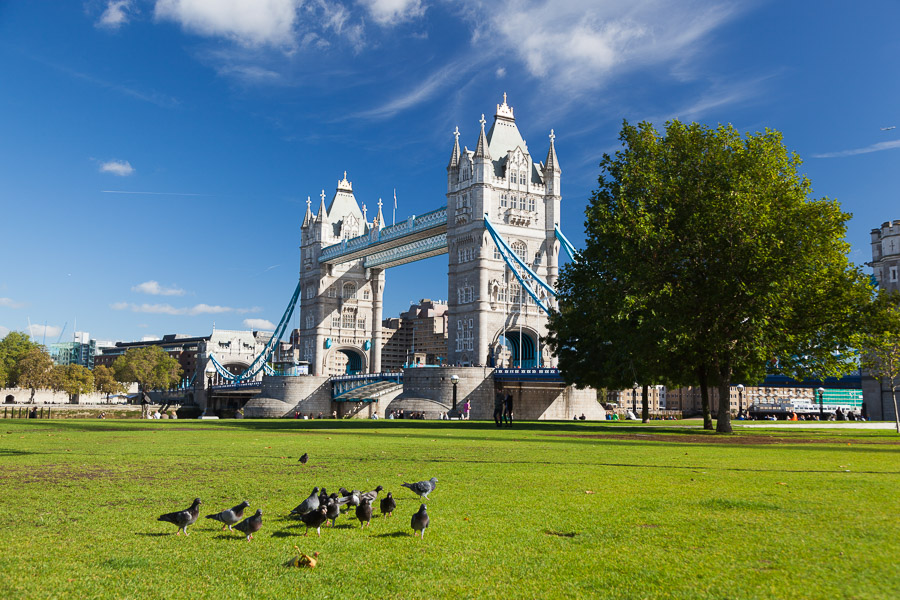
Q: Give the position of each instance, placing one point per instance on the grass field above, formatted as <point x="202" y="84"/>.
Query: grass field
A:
<point x="542" y="510"/>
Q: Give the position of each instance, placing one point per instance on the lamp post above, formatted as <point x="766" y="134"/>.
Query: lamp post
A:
<point x="210" y="370"/>
<point x="740" y="389"/>
<point x="454" y="379"/>
<point x="821" y="391"/>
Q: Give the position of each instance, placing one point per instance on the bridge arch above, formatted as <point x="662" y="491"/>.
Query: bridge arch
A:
<point x="517" y="348"/>
<point x="345" y="360"/>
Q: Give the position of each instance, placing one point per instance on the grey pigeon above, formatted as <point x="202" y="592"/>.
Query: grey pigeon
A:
<point x="372" y="496"/>
<point x="420" y="521"/>
<point x="351" y="499"/>
<point x="183" y="518"/>
<point x="323" y="496"/>
<point x="332" y="509"/>
<point x="364" y="512"/>
<point x="231" y="516"/>
<point x="422" y="488"/>
<point x="304" y="458"/>
<point x="388" y="504"/>
<point x="315" y="519"/>
<point x="251" y="525"/>
<point x="308" y="505"/>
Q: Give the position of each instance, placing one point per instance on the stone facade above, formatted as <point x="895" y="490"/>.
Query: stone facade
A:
<point x="493" y="321"/>
<point x="418" y="336"/>
<point x="886" y="255"/>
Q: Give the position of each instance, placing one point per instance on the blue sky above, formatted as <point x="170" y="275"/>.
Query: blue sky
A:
<point x="156" y="155"/>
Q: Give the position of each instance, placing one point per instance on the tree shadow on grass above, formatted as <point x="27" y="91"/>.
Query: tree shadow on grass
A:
<point x="393" y="534"/>
<point x="153" y="534"/>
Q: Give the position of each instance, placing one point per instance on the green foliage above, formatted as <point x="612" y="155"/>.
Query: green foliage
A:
<point x="707" y="262"/>
<point x="772" y="514"/>
<point x="33" y="370"/>
<point x="72" y="379"/>
<point x="13" y="348"/>
<point x="105" y="381"/>
<point x="150" y="367"/>
<point x="880" y="343"/>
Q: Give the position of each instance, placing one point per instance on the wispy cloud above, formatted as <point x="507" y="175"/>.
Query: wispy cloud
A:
<point x="153" y="288"/>
<point x="116" y="14"/>
<point x="122" y="168"/>
<point x="248" y="22"/>
<point x="4" y="331"/>
<point x="257" y="324"/>
<point x="41" y="331"/>
<point x="159" y="99"/>
<point x="873" y="148"/>
<point x="168" y="309"/>
<point x="388" y="13"/>
<point x="10" y="303"/>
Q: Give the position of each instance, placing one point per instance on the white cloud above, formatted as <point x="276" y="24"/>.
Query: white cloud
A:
<point x="501" y="72"/>
<point x="873" y="148"/>
<point x="4" y="331"/>
<point x="42" y="331"/>
<point x="10" y="303"/>
<point x="153" y="288"/>
<point x="259" y="324"/>
<point x="116" y="14"/>
<point x="168" y="309"/>
<point x="249" y="22"/>
<point x="122" y="168"/>
<point x="393" y="12"/>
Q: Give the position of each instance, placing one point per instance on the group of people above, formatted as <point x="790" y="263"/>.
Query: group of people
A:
<point x="402" y="414"/>
<point x="503" y="409"/>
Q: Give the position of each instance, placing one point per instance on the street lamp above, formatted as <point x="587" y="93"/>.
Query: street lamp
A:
<point x="210" y="370"/>
<point x="740" y="389"/>
<point x="821" y="391"/>
<point x="454" y="379"/>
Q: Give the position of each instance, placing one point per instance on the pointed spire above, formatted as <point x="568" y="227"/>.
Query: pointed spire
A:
<point x="454" y="155"/>
<point x="322" y="216"/>
<point x="552" y="164"/>
<point x="365" y="213"/>
<point x="481" y="150"/>
<point x="505" y="111"/>
<point x="308" y="217"/>
<point x="378" y="223"/>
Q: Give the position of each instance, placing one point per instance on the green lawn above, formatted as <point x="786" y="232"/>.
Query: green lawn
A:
<point x="543" y="510"/>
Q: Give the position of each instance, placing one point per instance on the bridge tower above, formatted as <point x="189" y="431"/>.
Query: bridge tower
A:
<point x="493" y="321"/>
<point x="340" y="306"/>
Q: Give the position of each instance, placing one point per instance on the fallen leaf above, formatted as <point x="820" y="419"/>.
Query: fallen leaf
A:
<point x="588" y="492"/>
<point x="781" y="483"/>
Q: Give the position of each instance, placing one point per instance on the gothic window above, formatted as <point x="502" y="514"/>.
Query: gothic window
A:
<point x="515" y="293"/>
<point x="522" y="177"/>
<point x="504" y="200"/>
<point x="520" y="249"/>
<point x="361" y="323"/>
<point x="348" y="291"/>
<point x="502" y="293"/>
<point x="332" y="292"/>
<point x="893" y="273"/>
<point x="309" y="292"/>
<point x="531" y="203"/>
<point x="335" y="319"/>
<point x="349" y="320"/>
<point x="366" y="294"/>
<point x="309" y="321"/>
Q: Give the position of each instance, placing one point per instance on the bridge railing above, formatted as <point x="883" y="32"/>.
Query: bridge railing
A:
<point x="536" y="373"/>
<point x="411" y="225"/>
<point x="341" y="384"/>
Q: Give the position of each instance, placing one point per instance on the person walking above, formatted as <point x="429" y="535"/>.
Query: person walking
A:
<point x="466" y="408"/>
<point x="498" y="408"/>
<point x="508" y="409"/>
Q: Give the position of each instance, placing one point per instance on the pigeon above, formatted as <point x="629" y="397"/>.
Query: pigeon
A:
<point x="420" y="521"/>
<point x="231" y="516"/>
<point x="303" y="560"/>
<point x="304" y="458"/>
<point x="364" y="512"/>
<point x="332" y="509"/>
<point x="388" y="504"/>
<point x="251" y="525"/>
<point x="315" y="519"/>
<point x="183" y="518"/>
<point x="323" y="496"/>
<point x="372" y="496"/>
<point x="308" y="505"/>
<point x="351" y="499"/>
<point x="422" y="488"/>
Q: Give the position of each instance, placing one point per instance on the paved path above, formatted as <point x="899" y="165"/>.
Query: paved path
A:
<point x="817" y="424"/>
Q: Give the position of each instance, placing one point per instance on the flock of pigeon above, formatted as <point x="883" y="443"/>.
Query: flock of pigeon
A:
<point x="315" y="511"/>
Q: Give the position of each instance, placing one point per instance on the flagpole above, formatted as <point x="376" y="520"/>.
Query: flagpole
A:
<point x="394" y="216"/>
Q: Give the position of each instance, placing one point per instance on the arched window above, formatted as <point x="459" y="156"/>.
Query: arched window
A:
<point x="348" y="291"/>
<point x="365" y="293"/>
<point x="349" y="321"/>
<point x="520" y="249"/>
<point x="309" y="321"/>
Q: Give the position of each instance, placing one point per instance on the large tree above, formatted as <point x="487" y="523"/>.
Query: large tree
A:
<point x="880" y="345"/>
<point x="150" y="367"/>
<point x="13" y="348"/>
<point x="708" y="262"/>
<point x="105" y="381"/>
<point x="72" y="379"/>
<point x="33" y="370"/>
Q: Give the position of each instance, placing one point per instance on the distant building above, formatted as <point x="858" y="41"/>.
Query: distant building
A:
<point x="417" y="337"/>
<point x="82" y="350"/>
<point x="886" y="255"/>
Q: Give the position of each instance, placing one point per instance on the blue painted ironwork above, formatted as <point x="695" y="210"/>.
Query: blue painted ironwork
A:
<point x="536" y="374"/>
<point x="417" y="250"/>
<point x="566" y="244"/>
<point x="512" y="259"/>
<point x="341" y="384"/>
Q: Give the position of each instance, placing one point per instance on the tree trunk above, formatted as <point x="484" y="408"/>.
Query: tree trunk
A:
<point x="704" y="400"/>
<point x="723" y="419"/>
<point x="894" y="396"/>
<point x="645" y="404"/>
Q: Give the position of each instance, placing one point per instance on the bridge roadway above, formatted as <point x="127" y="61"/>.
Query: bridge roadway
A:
<point x="416" y="238"/>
